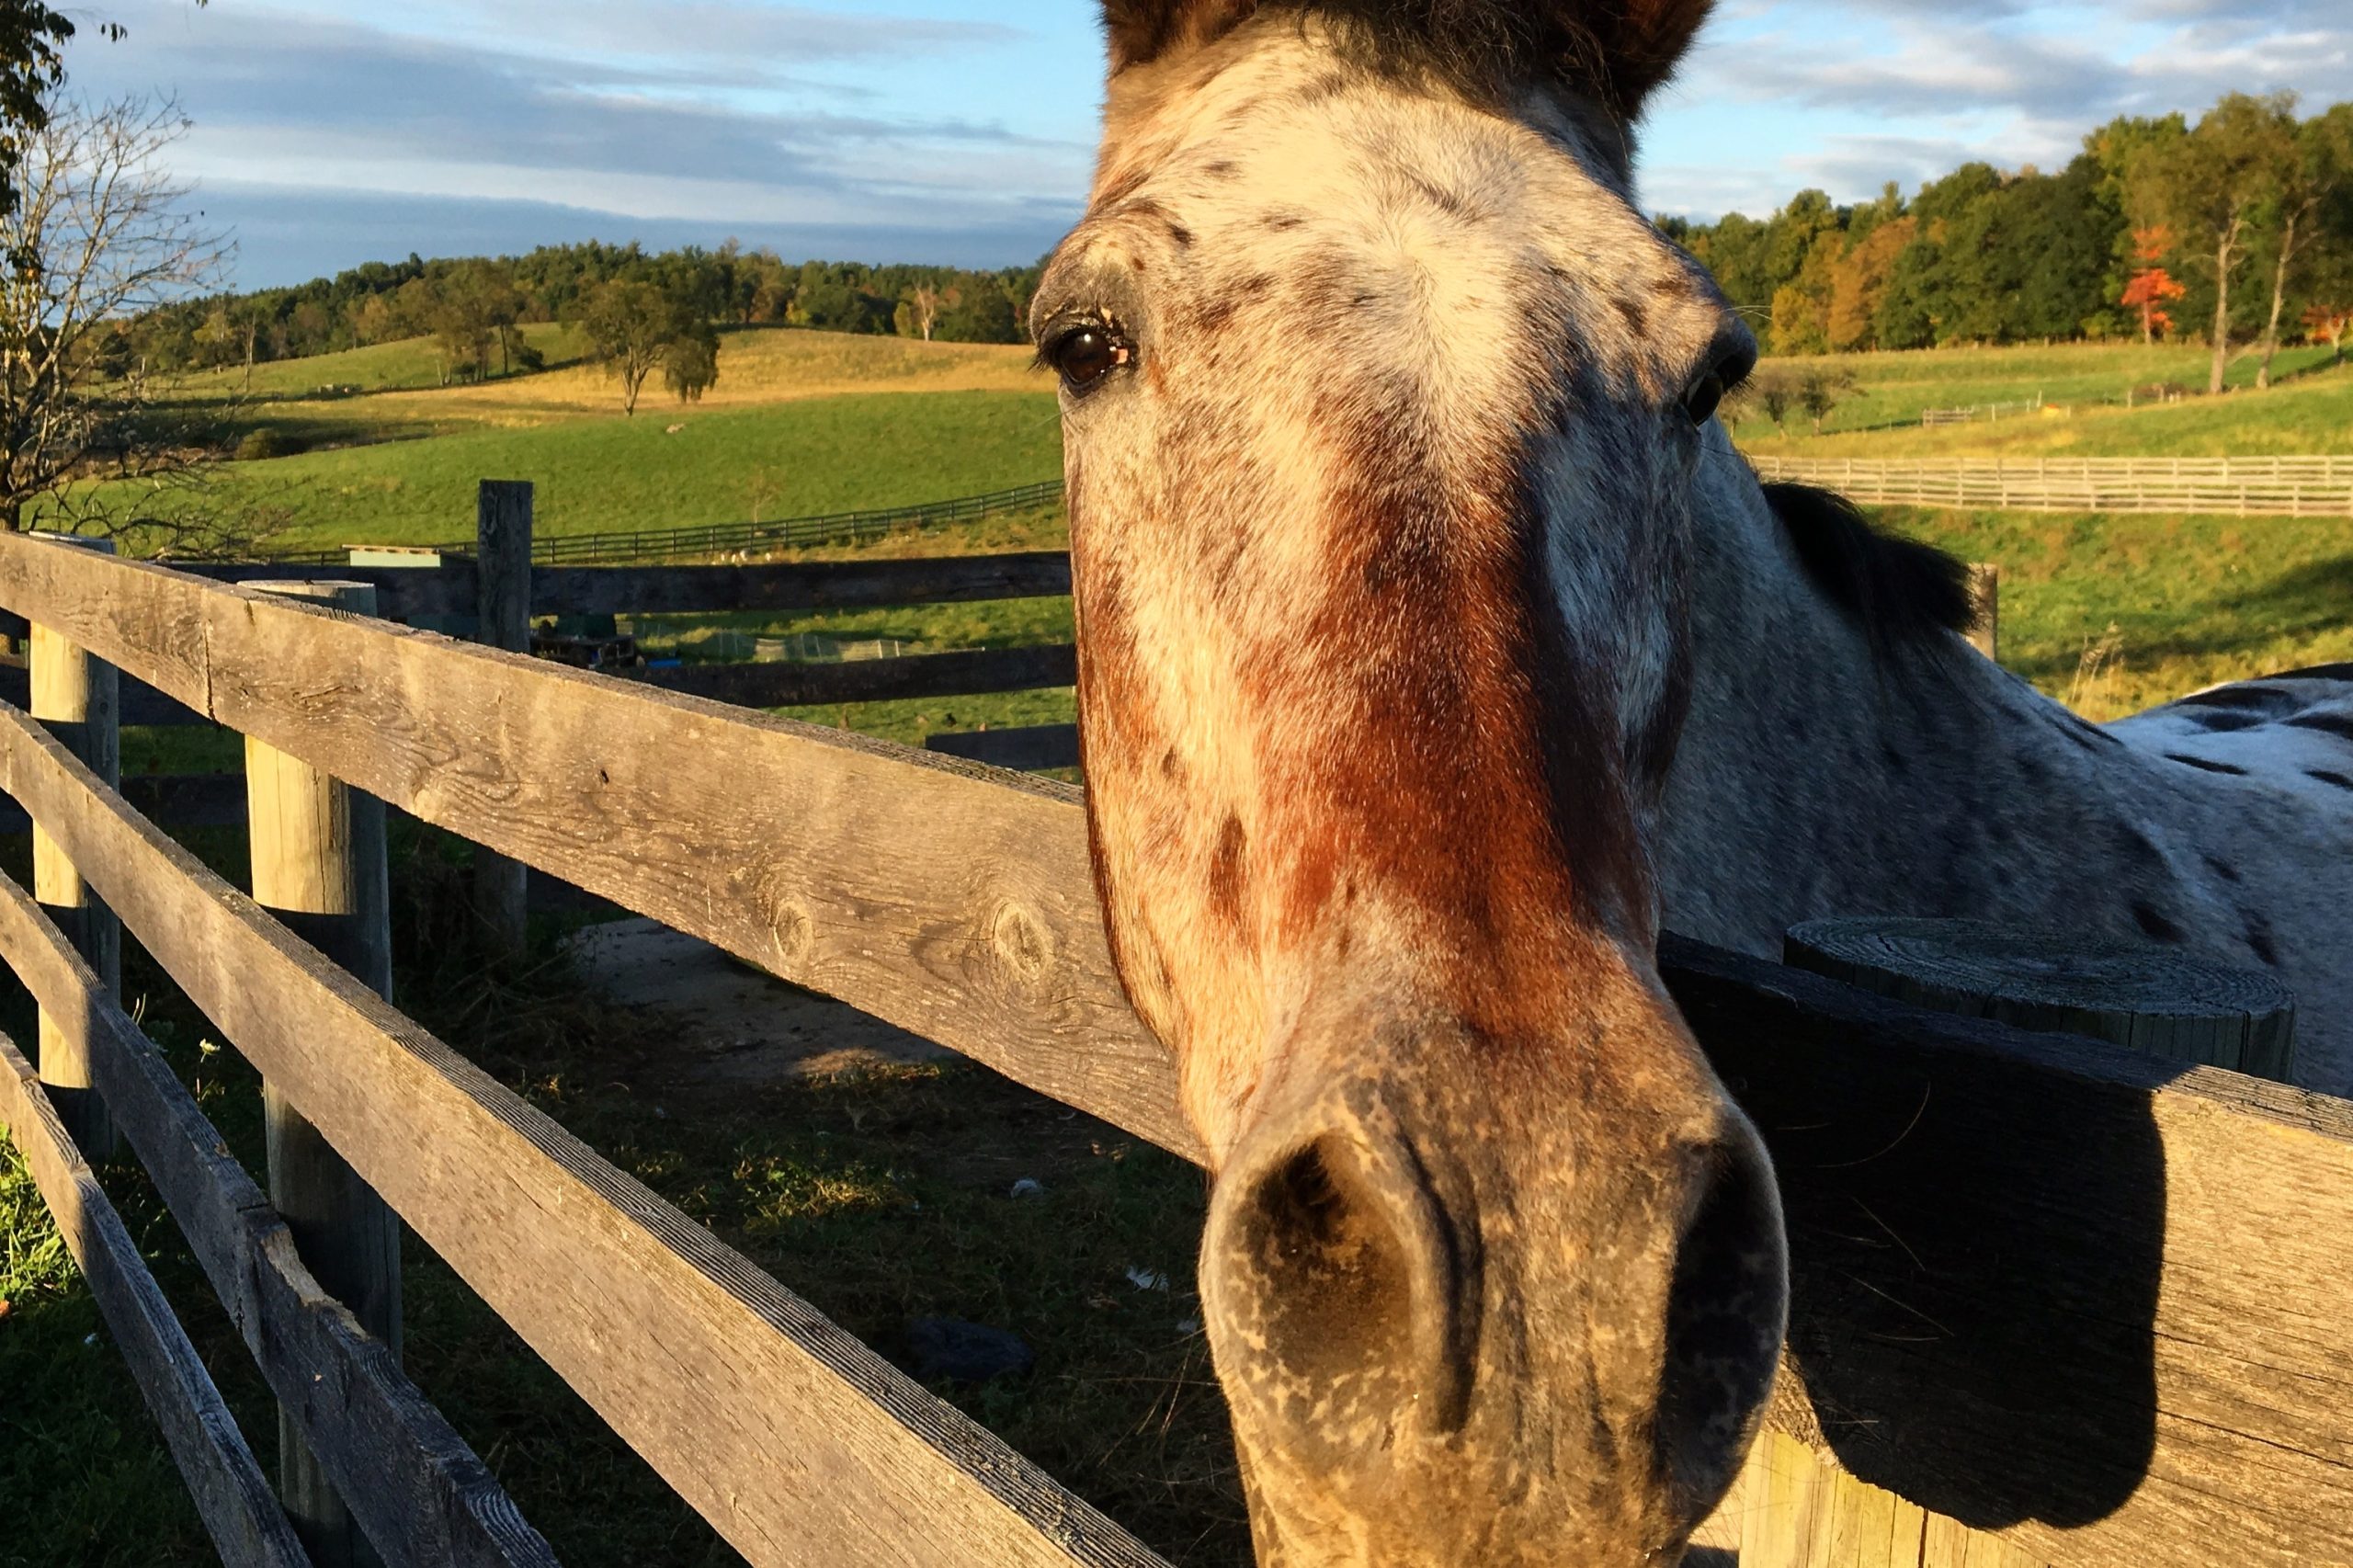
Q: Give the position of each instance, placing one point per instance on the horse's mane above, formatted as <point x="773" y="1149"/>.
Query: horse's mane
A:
<point x="1616" y="50"/>
<point x="1900" y="590"/>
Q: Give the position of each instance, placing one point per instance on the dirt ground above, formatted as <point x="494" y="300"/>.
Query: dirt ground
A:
<point x="726" y="1030"/>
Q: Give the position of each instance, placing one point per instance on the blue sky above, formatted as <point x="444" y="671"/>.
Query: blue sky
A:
<point x="334" y="131"/>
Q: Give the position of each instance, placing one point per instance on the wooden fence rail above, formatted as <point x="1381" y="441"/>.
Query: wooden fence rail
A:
<point x="2283" y="486"/>
<point x="2109" y="1324"/>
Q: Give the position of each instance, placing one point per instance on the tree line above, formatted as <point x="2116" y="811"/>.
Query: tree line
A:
<point x="2234" y="229"/>
<point x="475" y="307"/>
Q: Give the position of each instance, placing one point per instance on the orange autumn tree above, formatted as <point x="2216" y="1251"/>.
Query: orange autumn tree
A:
<point x="2151" y="287"/>
<point x="2330" y="321"/>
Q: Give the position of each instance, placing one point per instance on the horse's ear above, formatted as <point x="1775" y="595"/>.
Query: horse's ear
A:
<point x="1140" y="32"/>
<point x="1640" y="42"/>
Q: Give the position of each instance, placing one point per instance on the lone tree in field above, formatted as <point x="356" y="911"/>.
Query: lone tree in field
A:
<point x="635" y="328"/>
<point x="98" y="235"/>
<point x="2209" y="187"/>
<point x="1822" y="391"/>
<point x="690" y="364"/>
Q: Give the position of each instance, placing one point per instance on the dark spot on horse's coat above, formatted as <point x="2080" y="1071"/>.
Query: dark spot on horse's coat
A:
<point x="1137" y="262"/>
<point x="2136" y="845"/>
<point x="1223" y="169"/>
<point x="2224" y="720"/>
<point x="1329" y="85"/>
<point x="2259" y="938"/>
<point x="2222" y="868"/>
<point x="1894" y="757"/>
<point x="1637" y="319"/>
<point x="2146" y="916"/>
<point x="1229" y="871"/>
<point x="2327" y="778"/>
<point x="1254" y="285"/>
<point x="1180" y="236"/>
<point x="2337" y="724"/>
<point x="2032" y="769"/>
<point x="2200" y="762"/>
<point x="1172" y="765"/>
<point x="1445" y="200"/>
<point x="1283" y="223"/>
<point x="1215" y="314"/>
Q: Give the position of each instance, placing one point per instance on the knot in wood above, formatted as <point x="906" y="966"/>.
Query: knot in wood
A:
<point x="1022" y="946"/>
<point x="791" y="931"/>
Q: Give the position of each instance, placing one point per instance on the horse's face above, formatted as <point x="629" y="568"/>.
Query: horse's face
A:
<point x="1380" y="409"/>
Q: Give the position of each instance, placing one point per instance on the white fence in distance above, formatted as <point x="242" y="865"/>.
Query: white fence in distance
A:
<point x="2243" y="487"/>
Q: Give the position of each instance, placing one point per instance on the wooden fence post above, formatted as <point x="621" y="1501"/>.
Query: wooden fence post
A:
<point x="79" y="698"/>
<point x="319" y="866"/>
<point x="503" y="562"/>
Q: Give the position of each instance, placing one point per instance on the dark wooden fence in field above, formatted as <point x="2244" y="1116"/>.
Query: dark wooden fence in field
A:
<point x="636" y="546"/>
<point x="2055" y="1302"/>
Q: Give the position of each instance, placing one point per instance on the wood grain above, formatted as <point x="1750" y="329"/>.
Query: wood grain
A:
<point x="2129" y="994"/>
<point x="318" y="855"/>
<point x="2050" y="1288"/>
<point x="231" y="1499"/>
<point x="872" y="680"/>
<point x="420" y="1493"/>
<point x="797" y="1443"/>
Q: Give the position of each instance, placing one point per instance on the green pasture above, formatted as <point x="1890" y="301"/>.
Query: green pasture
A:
<point x="665" y="470"/>
<point x="1894" y="388"/>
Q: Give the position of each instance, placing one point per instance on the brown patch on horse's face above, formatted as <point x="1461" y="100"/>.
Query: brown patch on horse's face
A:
<point x="1377" y="543"/>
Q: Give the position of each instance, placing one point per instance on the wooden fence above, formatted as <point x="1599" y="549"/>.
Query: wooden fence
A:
<point x="2243" y="487"/>
<point x="635" y="546"/>
<point x="2089" y="1302"/>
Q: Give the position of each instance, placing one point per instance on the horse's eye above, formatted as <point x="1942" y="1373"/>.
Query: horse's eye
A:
<point x="1701" y="400"/>
<point x="1083" y="356"/>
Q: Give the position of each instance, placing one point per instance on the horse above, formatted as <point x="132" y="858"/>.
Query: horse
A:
<point x="1435" y="650"/>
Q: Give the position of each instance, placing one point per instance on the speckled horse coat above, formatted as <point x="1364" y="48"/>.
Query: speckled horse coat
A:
<point x="1435" y="650"/>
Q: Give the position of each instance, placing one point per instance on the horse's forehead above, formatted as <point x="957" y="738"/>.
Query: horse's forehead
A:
<point x="1288" y="143"/>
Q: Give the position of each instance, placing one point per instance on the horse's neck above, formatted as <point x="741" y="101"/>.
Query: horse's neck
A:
<point x="1815" y="777"/>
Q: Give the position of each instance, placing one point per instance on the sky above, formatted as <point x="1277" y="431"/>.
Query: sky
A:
<point x="336" y="131"/>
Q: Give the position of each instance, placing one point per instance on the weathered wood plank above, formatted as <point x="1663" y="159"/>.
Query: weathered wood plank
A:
<point x="231" y="1499"/>
<point x="872" y="680"/>
<point x="919" y="888"/>
<point x="1026" y="749"/>
<point x="421" y="1494"/>
<point x="797" y="1442"/>
<point x="2050" y="1288"/>
<point x="812" y="585"/>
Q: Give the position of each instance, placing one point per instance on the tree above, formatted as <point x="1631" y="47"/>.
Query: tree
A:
<point x="2207" y="186"/>
<point x="98" y="235"/>
<point x="922" y="309"/>
<point x="2150" y="288"/>
<point x="1822" y="391"/>
<point x="2330" y="321"/>
<point x="2313" y="166"/>
<point x="629" y="327"/>
<point x="690" y="362"/>
<point x="1858" y="283"/>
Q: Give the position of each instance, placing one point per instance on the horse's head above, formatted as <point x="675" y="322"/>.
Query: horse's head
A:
<point x="1383" y="405"/>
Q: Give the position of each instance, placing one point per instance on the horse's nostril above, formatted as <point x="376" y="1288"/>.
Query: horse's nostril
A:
<point x="1725" y="1316"/>
<point x="1327" y="1270"/>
